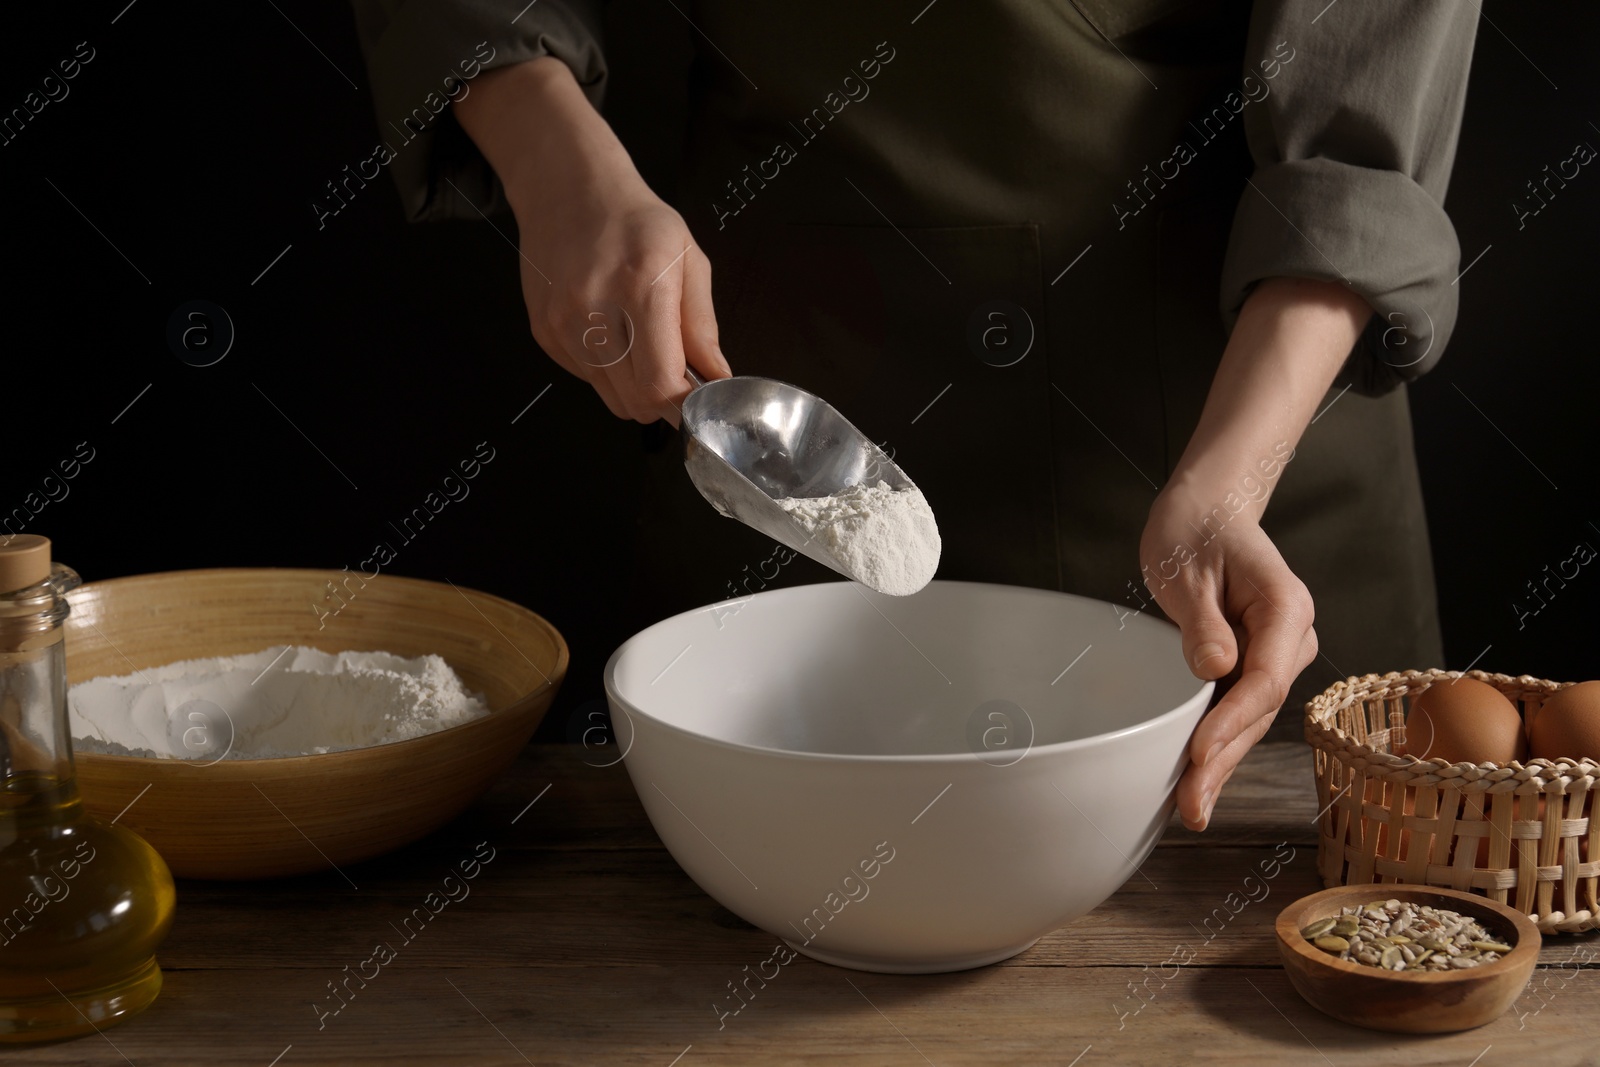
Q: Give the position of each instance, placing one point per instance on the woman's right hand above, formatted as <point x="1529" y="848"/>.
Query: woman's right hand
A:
<point x="617" y="291"/>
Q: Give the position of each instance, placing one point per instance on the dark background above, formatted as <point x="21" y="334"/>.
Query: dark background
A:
<point x="196" y="140"/>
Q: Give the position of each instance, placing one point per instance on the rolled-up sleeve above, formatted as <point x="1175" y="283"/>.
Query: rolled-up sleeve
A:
<point x="1353" y="148"/>
<point x="422" y="56"/>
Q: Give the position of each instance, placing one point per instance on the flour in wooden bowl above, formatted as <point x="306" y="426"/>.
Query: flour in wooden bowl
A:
<point x="282" y="701"/>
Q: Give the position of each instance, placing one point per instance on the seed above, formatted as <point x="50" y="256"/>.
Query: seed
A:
<point x="1405" y="937"/>
<point x="1317" y="929"/>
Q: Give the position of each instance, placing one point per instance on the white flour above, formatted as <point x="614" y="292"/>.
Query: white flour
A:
<point x="885" y="538"/>
<point x="260" y="706"/>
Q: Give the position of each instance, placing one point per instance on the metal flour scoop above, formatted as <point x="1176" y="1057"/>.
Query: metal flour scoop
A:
<point x="749" y="442"/>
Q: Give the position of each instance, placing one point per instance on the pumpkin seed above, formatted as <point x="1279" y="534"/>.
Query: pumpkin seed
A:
<point x="1317" y="929"/>
<point x="1331" y="943"/>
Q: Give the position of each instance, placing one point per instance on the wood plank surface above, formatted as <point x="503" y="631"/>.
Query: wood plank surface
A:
<point x="581" y="942"/>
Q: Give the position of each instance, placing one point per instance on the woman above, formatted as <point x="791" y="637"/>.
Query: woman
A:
<point x="994" y="236"/>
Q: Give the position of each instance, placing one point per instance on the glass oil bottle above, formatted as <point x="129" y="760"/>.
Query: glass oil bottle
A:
<point x="83" y="905"/>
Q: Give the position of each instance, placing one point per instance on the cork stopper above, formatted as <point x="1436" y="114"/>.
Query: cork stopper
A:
<point x="24" y="561"/>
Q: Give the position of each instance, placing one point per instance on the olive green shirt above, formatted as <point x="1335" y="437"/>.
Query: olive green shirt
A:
<point x="1352" y="114"/>
<point x="1008" y="238"/>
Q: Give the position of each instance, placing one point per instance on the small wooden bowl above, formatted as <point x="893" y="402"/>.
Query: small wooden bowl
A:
<point x="1424" y="1003"/>
<point x="266" y="818"/>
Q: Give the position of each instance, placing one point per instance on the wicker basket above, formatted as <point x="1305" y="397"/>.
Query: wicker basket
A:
<point x="1390" y="817"/>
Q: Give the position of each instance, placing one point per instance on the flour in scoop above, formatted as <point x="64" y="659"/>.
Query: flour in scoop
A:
<point x="884" y="538"/>
<point x="283" y="701"/>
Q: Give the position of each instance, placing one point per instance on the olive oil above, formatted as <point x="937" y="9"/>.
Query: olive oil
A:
<point x="85" y="907"/>
<point x="83" y="904"/>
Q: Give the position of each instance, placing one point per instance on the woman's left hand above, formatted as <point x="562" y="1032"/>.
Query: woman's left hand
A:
<point x="1241" y="609"/>
<point x="1211" y="567"/>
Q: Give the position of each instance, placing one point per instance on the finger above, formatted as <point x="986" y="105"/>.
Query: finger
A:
<point x="700" y="341"/>
<point x="574" y="360"/>
<point x="1310" y="647"/>
<point x="551" y="347"/>
<point x="652" y="382"/>
<point x="608" y="393"/>
<point x="1199" y="787"/>
<point x="1273" y="648"/>
<point x="599" y="337"/>
<point x="652" y="400"/>
<point x="546" y="330"/>
<point x="1194" y="602"/>
<point x="577" y="363"/>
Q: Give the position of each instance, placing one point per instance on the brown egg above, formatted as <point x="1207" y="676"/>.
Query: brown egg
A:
<point x="1568" y="724"/>
<point x="1466" y="721"/>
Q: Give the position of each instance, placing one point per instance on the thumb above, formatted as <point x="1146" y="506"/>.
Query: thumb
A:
<point x="699" y="320"/>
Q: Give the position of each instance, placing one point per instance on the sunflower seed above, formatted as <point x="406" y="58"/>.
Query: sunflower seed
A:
<point x="1404" y="936"/>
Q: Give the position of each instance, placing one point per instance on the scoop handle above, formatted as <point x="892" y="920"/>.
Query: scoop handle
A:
<point x="693" y="377"/>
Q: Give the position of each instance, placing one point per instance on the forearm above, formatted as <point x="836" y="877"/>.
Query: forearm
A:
<point x="543" y="138"/>
<point x="1291" y="339"/>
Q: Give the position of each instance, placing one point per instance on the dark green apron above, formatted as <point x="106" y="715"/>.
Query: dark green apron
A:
<point x="973" y="255"/>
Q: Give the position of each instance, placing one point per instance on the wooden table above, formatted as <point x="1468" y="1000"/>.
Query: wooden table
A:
<point x="581" y="942"/>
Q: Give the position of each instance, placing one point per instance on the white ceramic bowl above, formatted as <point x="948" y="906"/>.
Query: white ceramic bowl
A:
<point x="906" y="784"/>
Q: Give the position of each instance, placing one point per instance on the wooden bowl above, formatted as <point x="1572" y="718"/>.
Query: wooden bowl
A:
<point x="264" y="818"/>
<point x="1422" y="1003"/>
